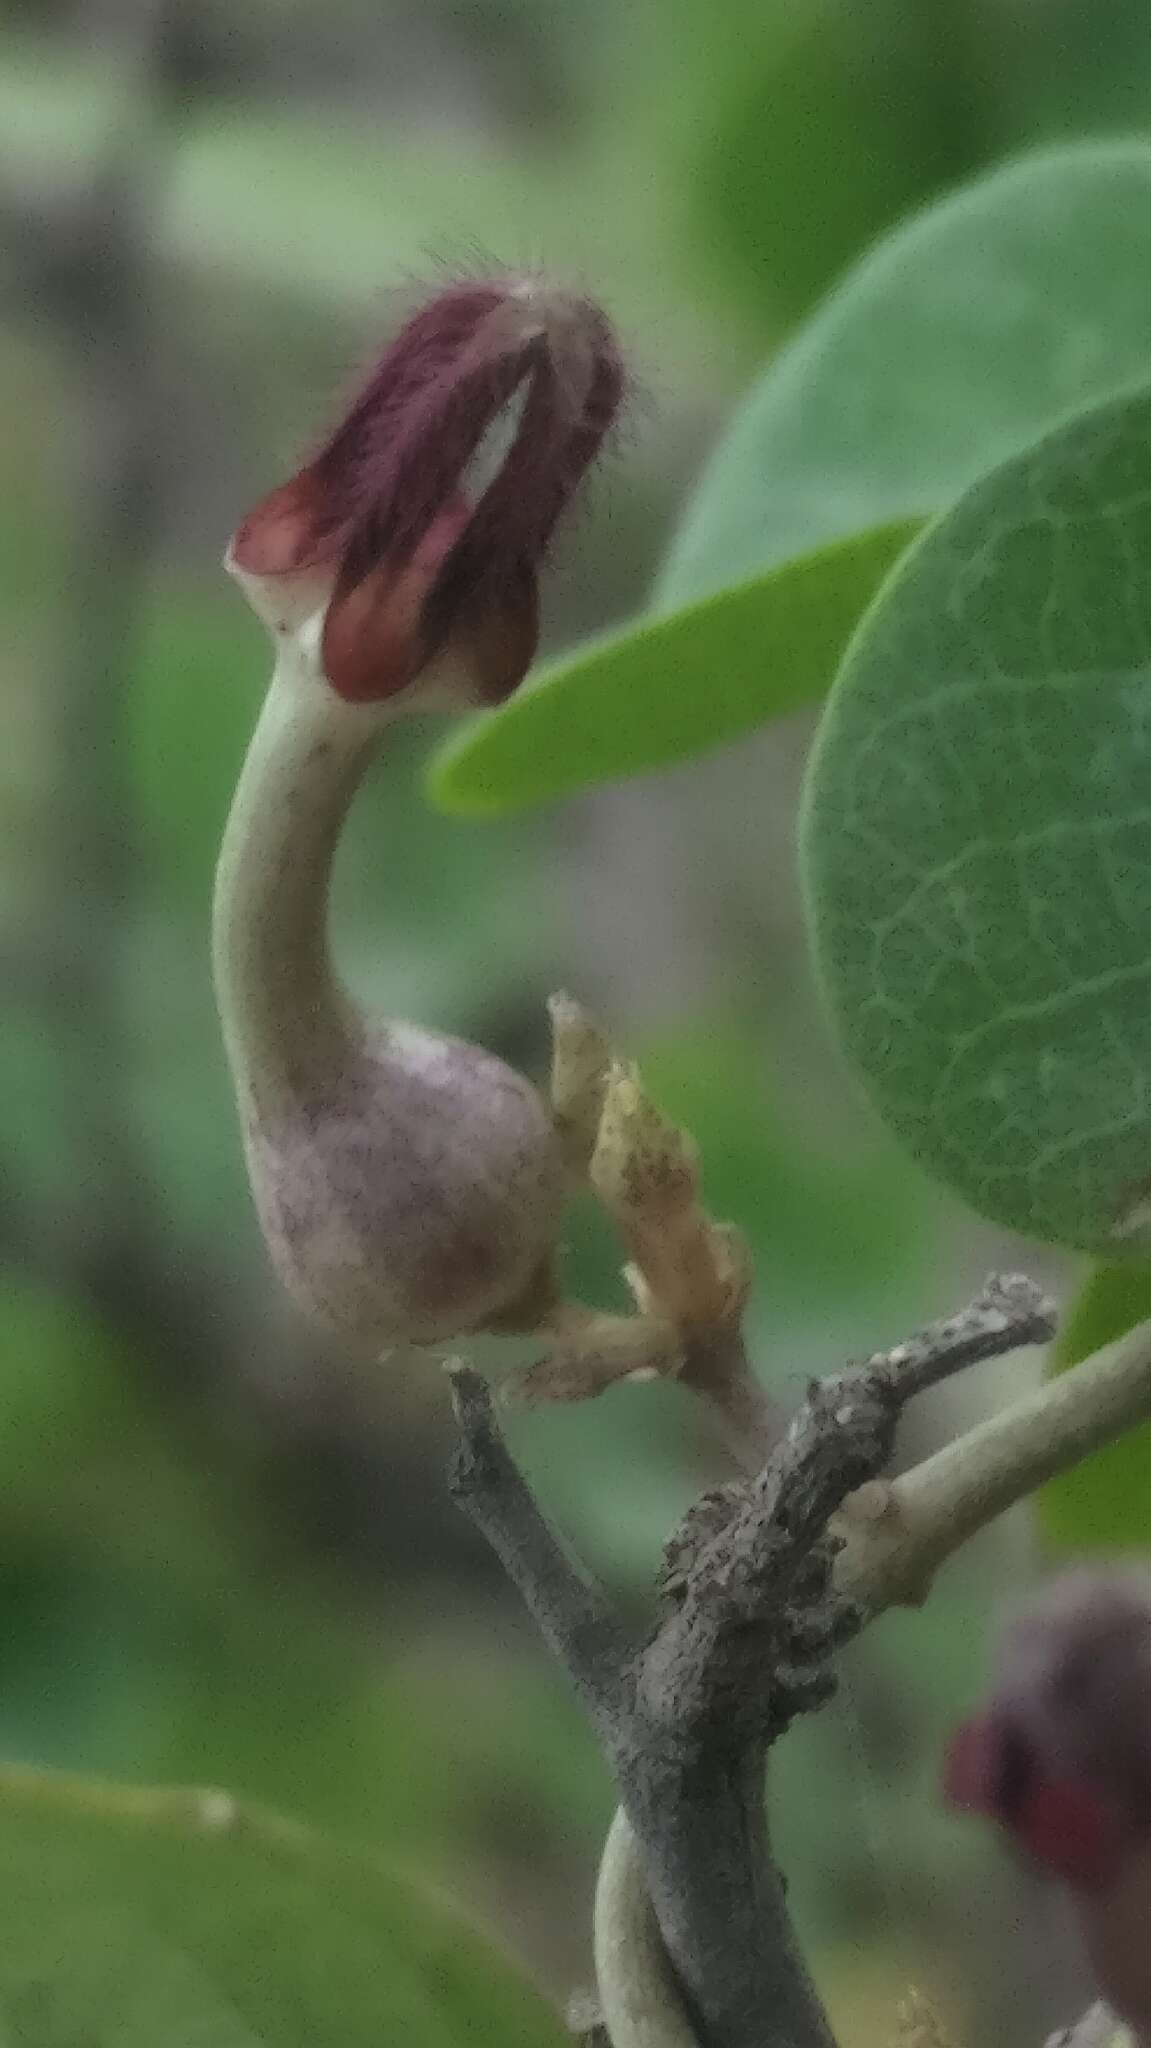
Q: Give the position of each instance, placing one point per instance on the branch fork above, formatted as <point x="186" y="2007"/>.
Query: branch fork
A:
<point x="764" y="1579"/>
<point x="752" y="1616"/>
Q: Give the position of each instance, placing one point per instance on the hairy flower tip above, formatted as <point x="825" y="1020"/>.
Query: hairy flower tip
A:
<point x="433" y="502"/>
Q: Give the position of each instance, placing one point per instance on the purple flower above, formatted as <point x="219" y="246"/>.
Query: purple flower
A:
<point x="422" y="558"/>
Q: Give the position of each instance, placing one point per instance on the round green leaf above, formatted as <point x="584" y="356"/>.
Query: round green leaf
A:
<point x="150" y="1918"/>
<point x="982" y="323"/>
<point x="670" y="688"/>
<point x="977" y="840"/>
<point x="957" y="341"/>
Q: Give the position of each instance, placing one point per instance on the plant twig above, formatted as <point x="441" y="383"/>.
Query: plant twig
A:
<point x="765" y="1537"/>
<point x="691" y="1786"/>
<point x="573" y="1615"/>
<point x="756" y="1607"/>
<point x="717" y="1369"/>
<point x="1008" y="1312"/>
<point x="896" y="1537"/>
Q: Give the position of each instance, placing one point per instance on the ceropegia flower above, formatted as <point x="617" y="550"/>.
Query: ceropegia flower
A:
<point x="420" y="551"/>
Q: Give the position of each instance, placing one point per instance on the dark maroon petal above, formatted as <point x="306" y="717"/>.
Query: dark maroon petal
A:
<point x="374" y="643"/>
<point x="1067" y="1828"/>
<point x="502" y="638"/>
<point x="278" y="537"/>
<point x="1063" y="1824"/>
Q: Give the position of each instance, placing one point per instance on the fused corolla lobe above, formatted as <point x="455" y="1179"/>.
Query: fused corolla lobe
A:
<point x="418" y="562"/>
<point x="1061" y="1755"/>
<point x="995" y="1767"/>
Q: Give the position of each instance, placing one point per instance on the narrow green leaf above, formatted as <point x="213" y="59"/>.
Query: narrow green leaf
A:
<point x="1114" y="1297"/>
<point x="150" y="1918"/>
<point x="978" y="326"/>
<point x="1105" y="1503"/>
<point x="671" y="688"/>
<point x="977" y="841"/>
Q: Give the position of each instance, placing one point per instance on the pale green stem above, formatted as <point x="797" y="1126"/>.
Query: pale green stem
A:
<point x="282" y="1011"/>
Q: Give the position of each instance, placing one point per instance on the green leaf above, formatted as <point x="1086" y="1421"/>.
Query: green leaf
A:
<point x="977" y="841"/>
<point x="153" y="1918"/>
<point x="866" y="121"/>
<point x="672" y="687"/>
<point x="984" y="322"/>
<point x="1104" y="1504"/>
<point x="972" y="330"/>
<point x="192" y="699"/>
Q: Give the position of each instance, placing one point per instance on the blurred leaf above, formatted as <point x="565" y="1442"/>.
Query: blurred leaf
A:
<point x="1114" y="1296"/>
<point x="194" y="696"/>
<point x="957" y="341"/>
<point x="63" y="1396"/>
<point x="59" y="108"/>
<point x="158" y="1623"/>
<point x="278" y="195"/>
<point x="846" y="118"/>
<point x="985" y="321"/>
<point x="333" y="212"/>
<point x="1104" y="1503"/>
<point x="43" y="1155"/>
<point x="977" y="841"/>
<point x="669" y="688"/>
<point x="1093" y="78"/>
<point x="168" y="1917"/>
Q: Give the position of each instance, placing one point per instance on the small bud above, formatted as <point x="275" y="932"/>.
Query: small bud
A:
<point x="689" y="1277"/>
<point x="581" y="1061"/>
<point x="419" y="558"/>
<point x="644" y="1166"/>
<point x="683" y="1268"/>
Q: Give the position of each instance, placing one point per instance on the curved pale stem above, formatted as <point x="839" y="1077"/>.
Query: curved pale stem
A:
<point x="283" y="1014"/>
<point x="639" y="1994"/>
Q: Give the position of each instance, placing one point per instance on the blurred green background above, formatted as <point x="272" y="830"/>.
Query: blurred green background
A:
<point x="223" y="1557"/>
